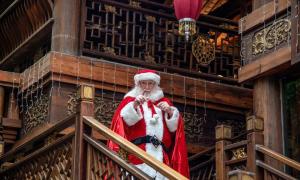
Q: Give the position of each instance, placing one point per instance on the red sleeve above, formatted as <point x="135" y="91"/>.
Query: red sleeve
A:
<point x="179" y="159"/>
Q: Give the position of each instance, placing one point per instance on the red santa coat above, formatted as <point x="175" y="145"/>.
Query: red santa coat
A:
<point x="131" y="124"/>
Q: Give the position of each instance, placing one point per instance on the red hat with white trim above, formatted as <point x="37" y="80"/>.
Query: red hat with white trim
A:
<point x="146" y="74"/>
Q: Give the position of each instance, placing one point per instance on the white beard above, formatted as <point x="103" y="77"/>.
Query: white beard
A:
<point x="154" y="95"/>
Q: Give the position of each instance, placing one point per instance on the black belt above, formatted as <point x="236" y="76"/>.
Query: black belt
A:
<point x="150" y="139"/>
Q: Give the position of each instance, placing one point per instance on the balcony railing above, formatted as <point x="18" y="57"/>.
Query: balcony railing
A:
<point x="145" y="33"/>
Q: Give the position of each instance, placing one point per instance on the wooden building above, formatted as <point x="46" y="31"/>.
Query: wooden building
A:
<point x="66" y="64"/>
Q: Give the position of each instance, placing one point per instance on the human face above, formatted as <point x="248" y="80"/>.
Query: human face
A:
<point x="147" y="85"/>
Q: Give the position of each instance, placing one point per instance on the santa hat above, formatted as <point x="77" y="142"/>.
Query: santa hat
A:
<point x="146" y="74"/>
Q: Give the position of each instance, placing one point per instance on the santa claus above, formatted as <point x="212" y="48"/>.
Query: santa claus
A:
<point x="150" y="121"/>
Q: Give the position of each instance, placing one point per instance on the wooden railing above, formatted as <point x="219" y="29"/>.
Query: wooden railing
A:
<point x="130" y="148"/>
<point x="232" y="152"/>
<point x="272" y="171"/>
<point x="146" y="34"/>
<point x="44" y="156"/>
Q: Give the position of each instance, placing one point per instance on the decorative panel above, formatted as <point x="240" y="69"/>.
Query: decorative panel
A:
<point x="266" y="39"/>
<point x="53" y="164"/>
<point x="148" y="35"/>
<point x="36" y="113"/>
<point x="104" y="110"/>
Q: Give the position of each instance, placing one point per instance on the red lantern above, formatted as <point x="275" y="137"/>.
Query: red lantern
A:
<point x="187" y="12"/>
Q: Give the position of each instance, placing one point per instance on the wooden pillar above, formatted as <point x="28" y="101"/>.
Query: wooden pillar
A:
<point x="267" y="105"/>
<point x="85" y="107"/>
<point x="255" y="136"/>
<point x="1" y="116"/>
<point x="65" y="31"/>
<point x="223" y="134"/>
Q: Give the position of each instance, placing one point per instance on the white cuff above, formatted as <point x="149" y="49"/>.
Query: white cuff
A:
<point x="130" y="115"/>
<point x="172" y="123"/>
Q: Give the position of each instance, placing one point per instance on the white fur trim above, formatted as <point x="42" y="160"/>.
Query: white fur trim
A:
<point x="146" y="76"/>
<point x="150" y="171"/>
<point x="154" y="129"/>
<point x="130" y="115"/>
<point x="155" y="95"/>
<point x="172" y="123"/>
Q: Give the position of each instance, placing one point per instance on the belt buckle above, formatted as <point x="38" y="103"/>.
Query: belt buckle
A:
<point x="155" y="141"/>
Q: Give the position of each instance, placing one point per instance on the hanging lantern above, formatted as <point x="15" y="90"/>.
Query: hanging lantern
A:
<point x="187" y="12"/>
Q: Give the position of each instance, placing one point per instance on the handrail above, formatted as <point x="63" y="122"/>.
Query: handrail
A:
<point x="273" y="170"/>
<point x="131" y="148"/>
<point x="278" y="156"/>
<point x="56" y="127"/>
<point x="236" y="145"/>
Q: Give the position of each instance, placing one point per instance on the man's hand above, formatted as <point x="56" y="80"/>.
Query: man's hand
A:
<point x="140" y="99"/>
<point x="165" y="107"/>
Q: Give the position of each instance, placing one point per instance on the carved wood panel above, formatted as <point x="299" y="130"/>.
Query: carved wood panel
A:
<point x="266" y="39"/>
<point x="53" y="164"/>
<point x="36" y="112"/>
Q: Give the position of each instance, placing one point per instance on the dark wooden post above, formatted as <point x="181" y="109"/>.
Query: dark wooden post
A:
<point x="65" y="33"/>
<point x="86" y="94"/>
<point x="255" y="127"/>
<point x="223" y="134"/>
<point x="1" y="101"/>
<point x="1" y="119"/>
<point x="267" y="105"/>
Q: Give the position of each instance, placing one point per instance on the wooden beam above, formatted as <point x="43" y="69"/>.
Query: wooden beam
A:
<point x="9" y="79"/>
<point x="116" y="74"/>
<point x="268" y="64"/>
<point x="116" y="77"/>
<point x="262" y="14"/>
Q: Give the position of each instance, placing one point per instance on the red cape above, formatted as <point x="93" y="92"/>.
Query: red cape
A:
<point x="178" y="155"/>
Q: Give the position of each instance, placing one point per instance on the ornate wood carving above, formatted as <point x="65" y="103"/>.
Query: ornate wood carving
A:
<point x="194" y="126"/>
<point x="104" y="110"/>
<point x="52" y="164"/>
<point x="238" y="153"/>
<point x="72" y="103"/>
<point x="203" y="50"/>
<point x="36" y="114"/>
<point x="265" y="40"/>
<point x="271" y="36"/>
